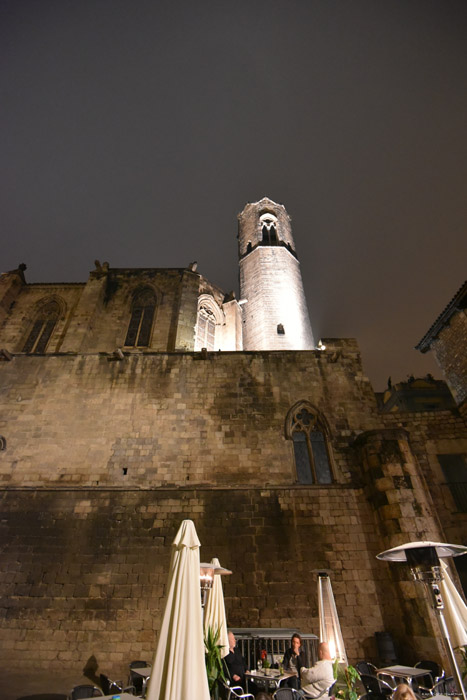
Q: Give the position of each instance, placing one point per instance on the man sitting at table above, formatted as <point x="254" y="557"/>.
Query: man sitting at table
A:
<point x="294" y="660"/>
<point x="318" y="677"/>
<point x="235" y="663"/>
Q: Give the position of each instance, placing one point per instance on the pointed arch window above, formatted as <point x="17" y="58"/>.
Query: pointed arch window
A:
<point x="143" y="309"/>
<point x="268" y="223"/>
<point x="308" y="431"/>
<point x="205" y="329"/>
<point x="208" y="321"/>
<point x="42" y="328"/>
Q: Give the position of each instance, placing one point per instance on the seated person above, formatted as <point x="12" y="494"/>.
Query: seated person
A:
<point x="320" y="676"/>
<point x="403" y="692"/>
<point x="235" y="663"/>
<point x="294" y="660"/>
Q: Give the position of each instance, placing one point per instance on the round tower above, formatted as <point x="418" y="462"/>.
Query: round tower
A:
<point x="275" y="314"/>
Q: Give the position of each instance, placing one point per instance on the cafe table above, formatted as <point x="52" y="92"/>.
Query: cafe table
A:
<point x="272" y="677"/>
<point x="402" y="673"/>
<point x="117" y="696"/>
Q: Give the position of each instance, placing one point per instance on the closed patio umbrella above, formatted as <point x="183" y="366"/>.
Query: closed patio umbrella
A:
<point x="329" y="626"/>
<point x="214" y="612"/>
<point x="178" y="670"/>
<point x="455" y="610"/>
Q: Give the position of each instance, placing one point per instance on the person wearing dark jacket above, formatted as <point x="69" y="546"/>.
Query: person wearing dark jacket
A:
<point x="235" y="663"/>
<point x="294" y="659"/>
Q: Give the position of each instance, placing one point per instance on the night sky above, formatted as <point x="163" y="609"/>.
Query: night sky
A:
<point x="134" y="131"/>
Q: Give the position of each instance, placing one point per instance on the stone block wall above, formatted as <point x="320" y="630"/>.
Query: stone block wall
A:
<point x="84" y="572"/>
<point x="432" y="434"/>
<point x="20" y="316"/>
<point x="104" y="459"/>
<point x="174" y="419"/>
<point x="271" y="282"/>
<point x="449" y="348"/>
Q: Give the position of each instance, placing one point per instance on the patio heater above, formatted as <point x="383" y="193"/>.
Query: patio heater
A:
<point x="206" y="578"/>
<point x="423" y="559"/>
<point x="329" y="626"/>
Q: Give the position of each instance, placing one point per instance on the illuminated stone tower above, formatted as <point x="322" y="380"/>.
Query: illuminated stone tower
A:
<point x="275" y="314"/>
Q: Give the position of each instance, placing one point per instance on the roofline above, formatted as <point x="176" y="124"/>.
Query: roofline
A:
<point x="459" y="301"/>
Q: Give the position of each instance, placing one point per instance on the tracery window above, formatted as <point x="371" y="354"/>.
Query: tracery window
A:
<point x="208" y="321"/>
<point x="308" y="432"/>
<point x="205" y="329"/>
<point x="42" y="328"/>
<point x="143" y="309"/>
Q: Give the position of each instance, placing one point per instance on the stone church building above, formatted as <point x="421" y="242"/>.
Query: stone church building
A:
<point x="145" y="396"/>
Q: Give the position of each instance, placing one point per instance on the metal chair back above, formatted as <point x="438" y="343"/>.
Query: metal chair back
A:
<point x="82" y="692"/>
<point x="286" y="694"/>
<point x="376" y="688"/>
<point x="366" y="667"/>
<point x="134" y="678"/>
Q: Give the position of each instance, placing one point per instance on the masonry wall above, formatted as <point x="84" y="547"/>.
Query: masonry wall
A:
<point x="432" y="434"/>
<point x="20" y="314"/>
<point x="84" y="572"/>
<point x="173" y="419"/>
<point x="94" y="317"/>
<point x="450" y="352"/>
<point x="271" y="283"/>
<point x="104" y="458"/>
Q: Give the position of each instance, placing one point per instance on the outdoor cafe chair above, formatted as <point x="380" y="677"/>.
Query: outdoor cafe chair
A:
<point x="323" y="694"/>
<point x="134" y="678"/>
<point x="286" y="694"/>
<point x="433" y="683"/>
<point x="112" y="687"/>
<point x="366" y="667"/>
<point x="81" y="692"/>
<point x="236" y="691"/>
<point x="375" y="689"/>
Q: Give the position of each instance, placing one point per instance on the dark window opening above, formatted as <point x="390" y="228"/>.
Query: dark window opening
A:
<point x="310" y="448"/>
<point x="280" y="329"/>
<point x="2" y="443"/>
<point x="454" y="468"/>
<point x="141" y="321"/>
<point x="42" y="329"/>
<point x="269" y="234"/>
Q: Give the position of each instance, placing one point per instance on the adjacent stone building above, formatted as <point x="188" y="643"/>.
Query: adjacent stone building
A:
<point x="145" y="396"/>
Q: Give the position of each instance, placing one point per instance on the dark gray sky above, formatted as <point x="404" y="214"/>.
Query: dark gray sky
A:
<point x="134" y="131"/>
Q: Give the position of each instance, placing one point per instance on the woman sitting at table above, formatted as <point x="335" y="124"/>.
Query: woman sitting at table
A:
<point x="294" y="659"/>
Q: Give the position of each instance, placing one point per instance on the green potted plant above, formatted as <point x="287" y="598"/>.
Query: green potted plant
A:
<point x="215" y="668"/>
<point x="347" y="678"/>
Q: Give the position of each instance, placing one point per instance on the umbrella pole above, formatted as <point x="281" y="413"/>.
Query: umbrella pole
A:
<point x="438" y="604"/>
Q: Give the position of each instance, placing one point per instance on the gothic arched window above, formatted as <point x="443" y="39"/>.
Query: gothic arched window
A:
<point x="39" y="335"/>
<point x="143" y="309"/>
<point x="268" y="224"/>
<point x="209" y="317"/>
<point x="308" y="431"/>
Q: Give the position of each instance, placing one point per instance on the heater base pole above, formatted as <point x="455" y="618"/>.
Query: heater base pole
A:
<point x="449" y="649"/>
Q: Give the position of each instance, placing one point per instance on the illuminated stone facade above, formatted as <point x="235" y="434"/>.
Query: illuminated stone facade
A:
<point x="119" y="421"/>
<point x="275" y="314"/>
